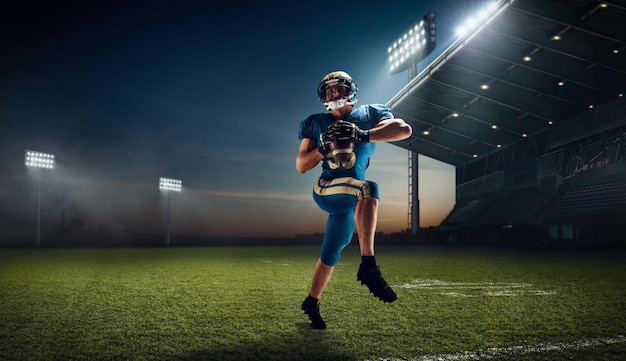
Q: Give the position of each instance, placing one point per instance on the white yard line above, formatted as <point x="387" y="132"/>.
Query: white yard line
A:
<point x="494" y="289"/>
<point x="512" y="351"/>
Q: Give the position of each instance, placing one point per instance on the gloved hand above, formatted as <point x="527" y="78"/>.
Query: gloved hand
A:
<point x="345" y="130"/>
<point x="326" y="139"/>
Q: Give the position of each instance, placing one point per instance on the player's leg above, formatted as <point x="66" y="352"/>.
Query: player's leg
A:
<point x="366" y="217"/>
<point x="339" y="197"/>
<point x="339" y="230"/>
<point x="310" y="306"/>
<point x="321" y="276"/>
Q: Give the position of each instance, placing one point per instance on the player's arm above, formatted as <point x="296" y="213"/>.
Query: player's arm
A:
<point x="390" y="130"/>
<point x="308" y="155"/>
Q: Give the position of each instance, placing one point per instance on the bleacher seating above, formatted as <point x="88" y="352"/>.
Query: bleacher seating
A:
<point x="588" y="200"/>
<point x="468" y="210"/>
<point x="574" y="192"/>
<point x="515" y="209"/>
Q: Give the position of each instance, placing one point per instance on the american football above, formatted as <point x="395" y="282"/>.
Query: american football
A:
<point x="342" y="148"/>
<point x="344" y="140"/>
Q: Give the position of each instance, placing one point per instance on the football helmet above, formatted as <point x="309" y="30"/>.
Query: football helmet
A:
<point x="335" y="79"/>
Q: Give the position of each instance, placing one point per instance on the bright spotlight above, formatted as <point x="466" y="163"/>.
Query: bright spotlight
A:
<point x="169" y="184"/>
<point x="38" y="159"/>
<point x="414" y="45"/>
<point x="476" y="19"/>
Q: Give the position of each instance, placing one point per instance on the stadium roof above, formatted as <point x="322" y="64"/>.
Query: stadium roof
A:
<point x="530" y="65"/>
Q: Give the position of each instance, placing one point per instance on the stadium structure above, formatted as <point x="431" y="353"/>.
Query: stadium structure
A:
<point x="529" y="106"/>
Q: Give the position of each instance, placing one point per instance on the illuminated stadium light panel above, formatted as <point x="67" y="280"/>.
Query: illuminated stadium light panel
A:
<point x="169" y="184"/>
<point x="414" y="45"/>
<point x="39" y="159"/>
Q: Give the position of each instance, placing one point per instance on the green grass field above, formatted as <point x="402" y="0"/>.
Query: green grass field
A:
<point x="244" y="304"/>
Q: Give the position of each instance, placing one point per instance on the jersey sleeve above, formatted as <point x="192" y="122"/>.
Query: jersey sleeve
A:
<point x="305" y="130"/>
<point x="368" y="116"/>
<point x="314" y="125"/>
<point x="379" y="112"/>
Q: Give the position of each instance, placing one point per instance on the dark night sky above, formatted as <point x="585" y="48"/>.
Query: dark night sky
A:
<point x="209" y="92"/>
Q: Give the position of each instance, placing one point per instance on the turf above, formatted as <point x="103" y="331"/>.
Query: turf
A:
<point x="244" y="304"/>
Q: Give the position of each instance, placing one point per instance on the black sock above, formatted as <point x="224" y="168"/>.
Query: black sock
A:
<point x="368" y="261"/>
<point x="311" y="300"/>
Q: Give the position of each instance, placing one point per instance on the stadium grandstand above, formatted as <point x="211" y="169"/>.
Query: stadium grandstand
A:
<point x="529" y="106"/>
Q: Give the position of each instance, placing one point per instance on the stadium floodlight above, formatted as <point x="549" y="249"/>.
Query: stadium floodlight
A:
<point x="414" y="45"/>
<point x="40" y="161"/>
<point x="169" y="185"/>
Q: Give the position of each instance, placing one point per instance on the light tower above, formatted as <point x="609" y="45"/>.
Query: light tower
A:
<point x="409" y="49"/>
<point x="40" y="161"/>
<point x="169" y="185"/>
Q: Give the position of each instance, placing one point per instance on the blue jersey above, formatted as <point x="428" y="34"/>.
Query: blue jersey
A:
<point x="365" y="117"/>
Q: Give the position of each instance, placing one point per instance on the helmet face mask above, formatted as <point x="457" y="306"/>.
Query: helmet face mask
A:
<point x="337" y="79"/>
<point x="336" y="104"/>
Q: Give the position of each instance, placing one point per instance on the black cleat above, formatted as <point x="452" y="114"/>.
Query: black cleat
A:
<point x="373" y="279"/>
<point x="313" y="311"/>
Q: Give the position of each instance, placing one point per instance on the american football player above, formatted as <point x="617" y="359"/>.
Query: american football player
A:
<point x="342" y="140"/>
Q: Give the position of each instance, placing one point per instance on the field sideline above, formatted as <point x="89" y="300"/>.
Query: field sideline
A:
<point x="227" y="303"/>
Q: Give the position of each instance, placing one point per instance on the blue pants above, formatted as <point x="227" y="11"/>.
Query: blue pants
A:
<point x="339" y="197"/>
